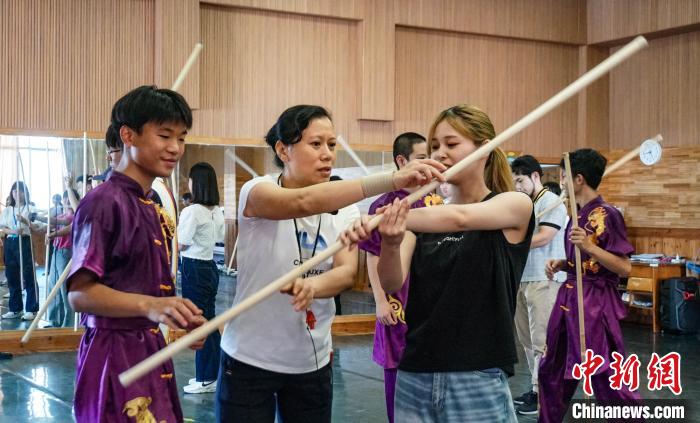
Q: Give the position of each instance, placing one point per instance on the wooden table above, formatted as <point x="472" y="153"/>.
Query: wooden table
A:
<point x="645" y="279"/>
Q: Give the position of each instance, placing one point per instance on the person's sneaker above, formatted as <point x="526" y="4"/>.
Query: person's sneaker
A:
<point x="192" y="381"/>
<point x="12" y="315"/>
<point x="528" y="407"/>
<point x="28" y="316"/>
<point x="6" y="295"/>
<point x="524" y="397"/>
<point x="200" y="387"/>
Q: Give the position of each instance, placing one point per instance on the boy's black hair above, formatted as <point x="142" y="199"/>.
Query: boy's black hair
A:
<point x="290" y="125"/>
<point x="187" y="196"/>
<point x="112" y="139"/>
<point x="553" y="187"/>
<point x="588" y="163"/>
<point x="21" y="186"/>
<point x="403" y="145"/>
<point x="526" y="165"/>
<point x="205" y="189"/>
<point x="149" y="103"/>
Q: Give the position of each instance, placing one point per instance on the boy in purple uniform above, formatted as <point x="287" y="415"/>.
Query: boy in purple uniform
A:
<point x="390" y="330"/>
<point x="605" y="250"/>
<point x="120" y="277"/>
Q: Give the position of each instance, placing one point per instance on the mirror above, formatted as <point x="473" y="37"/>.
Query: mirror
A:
<point x="44" y="162"/>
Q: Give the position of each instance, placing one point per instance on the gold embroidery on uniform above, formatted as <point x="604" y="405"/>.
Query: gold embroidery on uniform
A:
<point x="166" y="287"/>
<point x="138" y="408"/>
<point x="397" y="308"/>
<point x="157" y="242"/>
<point x="433" y="200"/>
<point x="569" y="286"/>
<point x="167" y="224"/>
<point x="166" y="376"/>
<point x="154" y="330"/>
<point x="596" y="227"/>
<point x="564" y="308"/>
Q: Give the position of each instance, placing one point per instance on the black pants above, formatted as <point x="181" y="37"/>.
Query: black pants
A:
<point x="14" y="281"/>
<point x="200" y="283"/>
<point x="249" y="394"/>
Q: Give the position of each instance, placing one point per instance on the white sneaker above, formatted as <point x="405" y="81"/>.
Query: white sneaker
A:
<point x="11" y="315"/>
<point x="28" y="316"/>
<point x="6" y="295"/>
<point x="192" y="381"/>
<point x="200" y="387"/>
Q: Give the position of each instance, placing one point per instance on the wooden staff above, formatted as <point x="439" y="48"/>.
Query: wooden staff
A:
<point x="64" y="275"/>
<point x="95" y="170"/>
<point x="173" y="179"/>
<point x="352" y="154"/>
<point x="612" y="168"/>
<point x="18" y="214"/>
<point x="233" y="255"/>
<point x="252" y="173"/>
<point x="128" y="377"/>
<point x="47" y="269"/>
<point x="577" y="252"/>
<point x="31" y="237"/>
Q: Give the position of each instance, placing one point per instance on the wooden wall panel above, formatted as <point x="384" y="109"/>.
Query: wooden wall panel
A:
<point x="65" y="63"/>
<point x="547" y="20"/>
<point x="251" y="73"/>
<point x="176" y="33"/>
<point x="656" y="91"/>
<point x="610" y="20"/>
<point x="348" y="9"/>
<point x="663" y="196"/>
<point x="377" y="42"/>
<point x="507" y="78"/>
<point x="593" y="102"/>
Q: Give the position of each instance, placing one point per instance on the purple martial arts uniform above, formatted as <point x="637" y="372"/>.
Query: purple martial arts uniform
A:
<point x="389" y="341"/>
<point x="118" y="236"/>
<point x="603" y="310"/>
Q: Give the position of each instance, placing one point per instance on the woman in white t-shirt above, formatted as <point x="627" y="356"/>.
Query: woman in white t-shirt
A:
<point x="16" y="222"/>
<point x="276" y="355"/>
<point x="201" y="227"/>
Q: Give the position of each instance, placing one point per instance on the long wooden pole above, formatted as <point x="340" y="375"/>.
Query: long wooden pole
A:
<point x="577" y="253"/>
<point x="610" y="169"/>
<point x="47" y="269"/>
<point x="173" y="177"/>
<point x="62" y="279"/>
<point x="128" y="377"/>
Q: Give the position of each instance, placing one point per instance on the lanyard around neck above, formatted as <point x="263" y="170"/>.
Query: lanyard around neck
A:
<point x="298" y="235"/>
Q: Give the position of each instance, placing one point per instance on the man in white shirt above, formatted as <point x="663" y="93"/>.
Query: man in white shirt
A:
<point x="536" y="294"/>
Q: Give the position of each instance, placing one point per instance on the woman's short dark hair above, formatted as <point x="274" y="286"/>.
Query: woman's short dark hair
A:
<point x="205" y="190"/>
<point x="22" y="187"/>
<point x="290" y="125"/>
<point x="149" y="103"/>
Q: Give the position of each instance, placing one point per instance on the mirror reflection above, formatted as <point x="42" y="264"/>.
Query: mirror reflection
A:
<point x="40" y="178"/>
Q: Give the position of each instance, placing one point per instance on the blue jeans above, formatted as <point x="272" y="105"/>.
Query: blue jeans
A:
<point x="60" y="313"/>
<point x="253" y="395"/>
<point x="459" y="397"/>
<point x="13" y="278"/>
<point x="200" y="283"/>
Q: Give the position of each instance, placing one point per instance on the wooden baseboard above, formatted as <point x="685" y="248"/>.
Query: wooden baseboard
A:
<point x="354" y="324"/>
<point x="43" y="340"/>
<point x="66" y="339"/>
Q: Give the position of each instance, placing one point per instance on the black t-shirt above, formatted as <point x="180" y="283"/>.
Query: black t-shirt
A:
<point x="461" y="301"/>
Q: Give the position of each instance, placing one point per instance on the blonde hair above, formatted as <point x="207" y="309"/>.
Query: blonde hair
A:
<point x="474" y="124"/>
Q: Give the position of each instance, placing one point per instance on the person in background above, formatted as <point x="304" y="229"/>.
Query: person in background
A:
<point x="201" y="227"/>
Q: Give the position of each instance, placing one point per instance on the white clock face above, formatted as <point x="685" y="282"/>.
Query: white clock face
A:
<point x="650" y="152"/>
